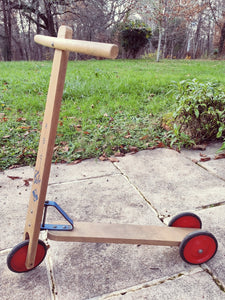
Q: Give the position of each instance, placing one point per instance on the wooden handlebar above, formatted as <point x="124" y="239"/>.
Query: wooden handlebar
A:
<point x="84" y="47"/>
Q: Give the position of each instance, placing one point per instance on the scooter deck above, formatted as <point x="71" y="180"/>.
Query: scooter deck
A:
<point x="122" y="234"/>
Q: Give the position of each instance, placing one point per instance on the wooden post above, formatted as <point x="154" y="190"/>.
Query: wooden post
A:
<point x="46" y="146"/>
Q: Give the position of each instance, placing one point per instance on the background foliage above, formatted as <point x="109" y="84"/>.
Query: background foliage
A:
<point x="133" y="36"/>
<point x="199" y="114"/>
<point x="108" y="107"/>
<point x="181" y="28"/>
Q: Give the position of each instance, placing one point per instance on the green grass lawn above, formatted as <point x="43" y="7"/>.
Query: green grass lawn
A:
<point x="107" y="107"/>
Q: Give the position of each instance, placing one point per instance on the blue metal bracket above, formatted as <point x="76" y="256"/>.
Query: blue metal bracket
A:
<point x="56" y="226"/>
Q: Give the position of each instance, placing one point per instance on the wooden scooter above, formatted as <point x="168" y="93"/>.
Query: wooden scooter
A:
<point x="196" y="246"/>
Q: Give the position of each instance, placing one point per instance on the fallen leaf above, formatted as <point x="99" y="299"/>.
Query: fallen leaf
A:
<point x="26" y="181"/>
<point x="80" y="150"/>
<point x="119" y="154"/>
<point x="160" y="145"/>
<point x="128" y="135"/>
<point x="151" y="96"/>
<point x="21" y="119"/>
<point x="166" y="127"/>
<point x="77" y="161"/>
<point x="113" y="159"/>
<point x="103" y="158"/>
<point x="199" y="147"/>
<point x="220" y="156"/>
<point x="133" y="149"/>
<point x="24" y="127"/>
<point x="78" y="129"/>
<point x="144" y="137"/>
<point x="151" y="148"/>
<point x="204" y="159"/>
<point x="65" y="148"/>
<point x="14" y="177"/>
<point x="26" y="133"/>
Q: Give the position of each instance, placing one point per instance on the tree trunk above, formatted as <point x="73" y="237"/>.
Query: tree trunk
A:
<point x="23" y="36"/>
<point x="50" y="22"/>
<point x="164" y="52"/>
<point x="222" y="39"/>
<point x="159" y="43"/>
<point x="171" y="50"/>
<point x="7" y="47"/>
<point x="197" y="36"/>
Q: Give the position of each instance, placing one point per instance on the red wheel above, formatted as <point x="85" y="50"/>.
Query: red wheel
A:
<point x="198" y="247"/>
<point x="17" y="257"/>
<point x="187" y="220"/>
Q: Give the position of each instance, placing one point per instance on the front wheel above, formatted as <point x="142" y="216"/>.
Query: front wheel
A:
<point x="198" y="247"/>
<point x="17" y="257"/>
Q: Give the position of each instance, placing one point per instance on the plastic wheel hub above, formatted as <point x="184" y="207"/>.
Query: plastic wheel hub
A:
<point x="198" y="247"/>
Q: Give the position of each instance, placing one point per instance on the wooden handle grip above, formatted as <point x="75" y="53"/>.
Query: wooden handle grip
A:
<point x="84" y="47"/>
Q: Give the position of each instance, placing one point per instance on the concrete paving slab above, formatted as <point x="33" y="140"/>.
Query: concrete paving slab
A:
<point x="26" y="286"/>
<point x="213" y="221"/>
<point x="213" y="165"/>
<point x="106" y="199"/>
<point x="21" y="172"/>
<point x="171" y="182"/>
<point x="89" y="168"/>
<point x="137" y="190"/>
<point x="14" y="196"/>
<point x="67" y="172"/>
<point x="195" y="285"/>
<point x="15" y="186"/>
<point x="82" y="271"/>
<point x="94" y="269"/>
<point x="210" y="151"/>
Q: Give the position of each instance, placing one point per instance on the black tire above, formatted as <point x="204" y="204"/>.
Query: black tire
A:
<point x="186" y="219"/>
<point x="17" y="257"/>
<point x="198" y="247"/>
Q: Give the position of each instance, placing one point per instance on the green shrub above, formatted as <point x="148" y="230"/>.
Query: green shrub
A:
<point x="133" y="36"/>
<point x="199" y="113"/>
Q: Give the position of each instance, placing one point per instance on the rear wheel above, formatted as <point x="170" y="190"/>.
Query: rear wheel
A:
<point x="198" y="247"/>
<point x="187" y="220"/>
<point x="17" y="257"/>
